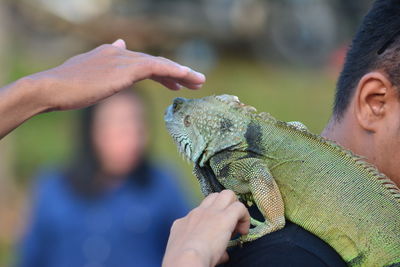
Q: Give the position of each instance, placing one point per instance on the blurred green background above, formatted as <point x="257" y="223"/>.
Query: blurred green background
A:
<point x="282" y="57"/>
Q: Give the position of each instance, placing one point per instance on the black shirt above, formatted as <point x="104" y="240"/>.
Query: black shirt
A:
<point x="290" y="246"/>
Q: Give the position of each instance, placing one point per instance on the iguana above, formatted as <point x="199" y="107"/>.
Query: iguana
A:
<point x="288" y="172"/>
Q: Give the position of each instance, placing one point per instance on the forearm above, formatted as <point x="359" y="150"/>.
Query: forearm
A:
<point x="20" y="101"/>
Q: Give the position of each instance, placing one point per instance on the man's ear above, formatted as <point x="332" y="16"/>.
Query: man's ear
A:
<point x="373" y="100"/>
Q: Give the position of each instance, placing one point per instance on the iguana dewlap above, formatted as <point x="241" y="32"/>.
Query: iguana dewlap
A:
<point x="289" y="172"/>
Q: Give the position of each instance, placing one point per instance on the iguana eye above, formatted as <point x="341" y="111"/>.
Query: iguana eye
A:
<point x="186" y="121"/>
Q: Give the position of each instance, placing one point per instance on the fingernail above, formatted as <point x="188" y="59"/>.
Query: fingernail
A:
<point x="200" y="75"/>
<point x="119" y="43"/>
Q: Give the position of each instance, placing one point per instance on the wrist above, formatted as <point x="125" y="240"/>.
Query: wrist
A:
<point x="19" y="101"/>
<point x="33" y="90"/>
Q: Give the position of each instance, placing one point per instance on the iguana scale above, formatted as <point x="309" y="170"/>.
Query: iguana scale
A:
<point x="289" y="172"/>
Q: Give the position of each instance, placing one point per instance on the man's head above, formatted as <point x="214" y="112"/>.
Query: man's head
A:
<point x="366" y="117"/>
<point x="375" y="47"/>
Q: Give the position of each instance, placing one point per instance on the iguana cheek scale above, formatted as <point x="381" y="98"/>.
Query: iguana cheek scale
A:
<point x="290" y="173"/>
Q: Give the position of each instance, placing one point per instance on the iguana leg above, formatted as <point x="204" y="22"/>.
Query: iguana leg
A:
<point x="269" y="201"/>
<point x="254" y="174"/>
<point x="237" y="242"/>
<point x="254" y="222"/>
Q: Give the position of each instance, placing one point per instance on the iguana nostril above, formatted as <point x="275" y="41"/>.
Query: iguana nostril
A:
<point x="177" y="104"/>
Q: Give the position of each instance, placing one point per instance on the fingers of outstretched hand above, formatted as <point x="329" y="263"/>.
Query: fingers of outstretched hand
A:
<point x="165" y="71"/>
<point x="142" y="66"/>
<point x="190" y="78"/>
<point x="169" y="83"/>
<point x="183" y="83"/>
<point x="185" y="76"/>
<point x="104" y="71"/>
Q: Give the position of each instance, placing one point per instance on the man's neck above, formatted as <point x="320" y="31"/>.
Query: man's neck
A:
<point x="339" y="132"/>
<point x="345" y="133"/>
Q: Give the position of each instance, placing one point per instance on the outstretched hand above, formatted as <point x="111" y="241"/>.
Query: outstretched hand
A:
<point x="87" y="78"/>
<point x="201" y="237"/>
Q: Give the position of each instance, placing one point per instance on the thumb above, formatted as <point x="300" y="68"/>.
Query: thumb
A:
<point x="119" y="43"/>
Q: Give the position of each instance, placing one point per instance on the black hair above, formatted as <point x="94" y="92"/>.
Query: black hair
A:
<point x="83" y="173"/>
<point x="376" y="46"/>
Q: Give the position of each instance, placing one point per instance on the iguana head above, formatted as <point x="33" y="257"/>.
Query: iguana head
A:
<point x="205" y="126"/>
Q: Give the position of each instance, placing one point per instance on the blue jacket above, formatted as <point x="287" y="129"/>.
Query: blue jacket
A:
<point x="125" y="226"/>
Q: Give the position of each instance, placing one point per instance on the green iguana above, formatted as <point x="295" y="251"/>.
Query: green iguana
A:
<point x="289" y="172"/>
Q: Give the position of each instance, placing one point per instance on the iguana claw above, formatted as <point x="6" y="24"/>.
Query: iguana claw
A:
<point x="236" y="242"/>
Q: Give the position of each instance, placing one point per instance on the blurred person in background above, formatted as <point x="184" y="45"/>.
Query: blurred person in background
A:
<point x="112" y="207"/>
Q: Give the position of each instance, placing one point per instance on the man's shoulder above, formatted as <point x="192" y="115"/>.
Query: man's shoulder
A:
<point x="289" y="246"/>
